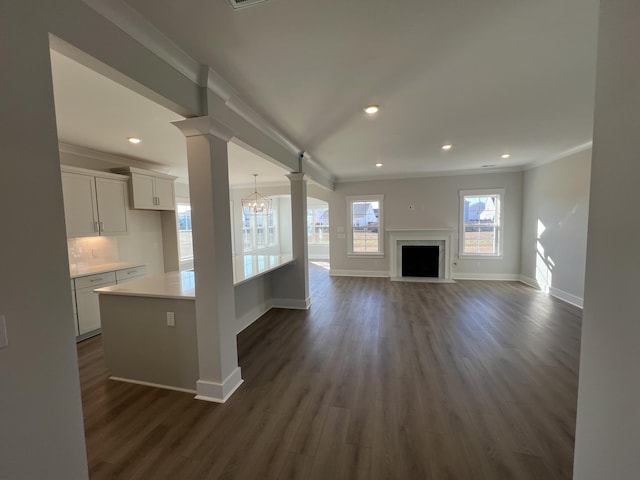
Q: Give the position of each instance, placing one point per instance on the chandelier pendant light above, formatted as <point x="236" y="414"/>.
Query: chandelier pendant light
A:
<point x="256" y="203"/>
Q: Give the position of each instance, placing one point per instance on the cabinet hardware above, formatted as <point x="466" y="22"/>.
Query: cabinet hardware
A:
<point x="101" y="226"/>
<point x="95" y="227"/>
<point x="96" y="280"/>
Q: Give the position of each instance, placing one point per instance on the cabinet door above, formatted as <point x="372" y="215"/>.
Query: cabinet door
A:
<point x="112" y="206"/>
<point x="75" y="312"/>
<point x="164" y="194"/>
<point x="143" y="191"/>
<point x="80" y="209"/>
<point x="88" y="310"/>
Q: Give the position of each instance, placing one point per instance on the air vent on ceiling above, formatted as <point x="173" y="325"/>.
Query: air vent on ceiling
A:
<point x="244" y="3"/>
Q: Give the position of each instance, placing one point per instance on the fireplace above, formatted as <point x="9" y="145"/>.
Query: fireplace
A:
<point x="421" y="255"/>
<point x="421" y="261"/>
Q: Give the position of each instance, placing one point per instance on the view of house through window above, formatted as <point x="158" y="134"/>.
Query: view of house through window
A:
<point x="366" y="232"/>
<point x="481" y="222"/>
<point x="318" y="225"/>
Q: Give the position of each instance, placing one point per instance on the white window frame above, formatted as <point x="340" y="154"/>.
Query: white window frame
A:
<point x="270" y="241"/>
<point x="499" y="223"/>
<point x="185" y="262"/>
<point x="351" y="199"/>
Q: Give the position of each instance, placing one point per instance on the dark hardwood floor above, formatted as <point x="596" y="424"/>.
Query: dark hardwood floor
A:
<point x="378" y="380"/>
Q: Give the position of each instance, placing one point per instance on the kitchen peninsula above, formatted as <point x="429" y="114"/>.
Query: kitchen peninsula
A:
<point x="149" y="326"/>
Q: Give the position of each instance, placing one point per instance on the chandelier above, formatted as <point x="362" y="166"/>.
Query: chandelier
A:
<point x="256" y="203"/>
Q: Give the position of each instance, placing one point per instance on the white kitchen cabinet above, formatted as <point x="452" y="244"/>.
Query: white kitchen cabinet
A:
<point x="94" y="205"/>
<point x="150" y="190"/>
<point x="87" y="301"/>
<point x="128" y="274"/>
<point x="112" y="206"/>
<point x="86" y="306"/>
<point x="75" y="311"/>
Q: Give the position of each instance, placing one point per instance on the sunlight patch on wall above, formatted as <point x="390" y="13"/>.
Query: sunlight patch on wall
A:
<point x="544" y="264"/>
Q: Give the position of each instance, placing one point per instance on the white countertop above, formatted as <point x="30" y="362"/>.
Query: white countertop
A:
<point x="82" y="271"/>
<point x="182" y="285"/>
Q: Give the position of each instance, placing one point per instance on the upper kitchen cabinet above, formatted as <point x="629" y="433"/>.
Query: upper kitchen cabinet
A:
<point x="95" y="203"/>
<point x="150" y="190"/>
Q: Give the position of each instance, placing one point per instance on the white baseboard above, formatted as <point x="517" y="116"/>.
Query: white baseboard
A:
<point x="566" y="297"/>
<point x="502" y="277"/>
<point x="291" y="303"/>
<point x="150" y="384"/>
<point x="421" y="280"/>
<point x="252" y="315"/>
<point x="358" y="273"/>
<point x="555" y="292"/>
<point x="532" y="282"/>
<point x="219" y="392"/>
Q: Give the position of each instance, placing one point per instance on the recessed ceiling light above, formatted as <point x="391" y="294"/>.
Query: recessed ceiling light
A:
<point x="505" y="155"/>
<point x="371" y="109"/>
<point x="379" y="164"/>
<point x="134" y="140"/>
<point x="447" y="146"/>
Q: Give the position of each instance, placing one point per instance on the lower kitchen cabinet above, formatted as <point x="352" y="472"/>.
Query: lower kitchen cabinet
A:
<point x="87" y="301"/>
<point x="86" y="305"/>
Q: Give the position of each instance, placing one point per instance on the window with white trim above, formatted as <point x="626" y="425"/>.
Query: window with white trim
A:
<point x="259" y="230"/>
<point x="366" y="231"/>
<point x="185" y="237"/>
<point x="481" y="225"/>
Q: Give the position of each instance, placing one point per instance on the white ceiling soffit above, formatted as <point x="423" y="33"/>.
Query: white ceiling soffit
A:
<point x="244" y="3"/>
<point x="95" y="116"/>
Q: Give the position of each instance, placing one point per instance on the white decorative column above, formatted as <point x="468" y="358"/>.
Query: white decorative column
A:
<point x="218" y="367"/>
<point x="290" y="288"/>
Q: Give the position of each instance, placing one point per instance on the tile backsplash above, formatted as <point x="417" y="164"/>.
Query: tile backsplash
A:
<point x="90" y="251"/>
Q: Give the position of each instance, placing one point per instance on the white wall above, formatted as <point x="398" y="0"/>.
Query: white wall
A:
<point x="554" y="226"/>
<point x="41" y="433"/>
<point x="608" y="422"/>
<point x="436" y="205"/>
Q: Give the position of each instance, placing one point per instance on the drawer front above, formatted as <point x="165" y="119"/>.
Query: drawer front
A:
<point x="126" y="274"/>
<point x="95" y="280"/>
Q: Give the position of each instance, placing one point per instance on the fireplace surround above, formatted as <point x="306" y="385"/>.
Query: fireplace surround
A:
<point x="441" y="237"/>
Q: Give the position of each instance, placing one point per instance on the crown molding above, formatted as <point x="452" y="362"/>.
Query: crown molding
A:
<point x="447" y="173"/>
<point x="566" y="153"/>
<point x="193" y="127"/>
<point x="112" y="158"/>
<point x="139" y="28"/>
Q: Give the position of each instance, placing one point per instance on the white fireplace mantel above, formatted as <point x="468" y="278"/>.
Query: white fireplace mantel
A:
<point x="398" y="236"/>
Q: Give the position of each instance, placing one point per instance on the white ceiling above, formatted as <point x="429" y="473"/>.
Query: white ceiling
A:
<point x="489" y="76"/>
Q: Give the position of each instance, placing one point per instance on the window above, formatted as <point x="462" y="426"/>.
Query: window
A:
<point x="185" y="238"/>
<point x="366" y="233"/>
<point x="259" y="230"/>
<point x="318" y="225"/>
<point x="481" y="222"/>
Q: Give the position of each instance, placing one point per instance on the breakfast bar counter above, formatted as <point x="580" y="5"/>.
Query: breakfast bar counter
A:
<point x="149" y="325"/>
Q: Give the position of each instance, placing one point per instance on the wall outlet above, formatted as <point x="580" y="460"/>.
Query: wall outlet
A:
<point x="4" y="340"/>
<point x="171" y="319"/>
<point x="95" y="253"/>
